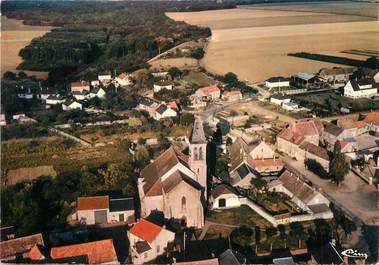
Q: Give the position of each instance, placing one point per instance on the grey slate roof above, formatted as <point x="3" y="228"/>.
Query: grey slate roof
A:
<point x="122" y="204"/>
<point x="363" y="82"/>
<point x="162" y="108"/>
<point x="333" y="129"/>
<point x="284" y="261"/>
<point x="277" y="79"/>
<point x="197" y="135"/>
<point x="142" y="246"/>
<point x="231" y="257"/>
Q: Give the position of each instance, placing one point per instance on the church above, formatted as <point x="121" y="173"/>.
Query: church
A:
<point x="176" y="184"/>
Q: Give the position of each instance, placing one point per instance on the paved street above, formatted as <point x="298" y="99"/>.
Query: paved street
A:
<point x="354" y="196"/>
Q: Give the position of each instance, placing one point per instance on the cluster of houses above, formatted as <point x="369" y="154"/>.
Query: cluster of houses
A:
<point x="158" y="110"/>
<point x="337" y="77"/>
<point x="205" y="95"/>
<point x="80" y="91"/>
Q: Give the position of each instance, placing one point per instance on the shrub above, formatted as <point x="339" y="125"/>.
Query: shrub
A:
<point x="316" y="168"/>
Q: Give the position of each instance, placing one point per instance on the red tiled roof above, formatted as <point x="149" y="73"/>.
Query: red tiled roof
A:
<point x="173" y="105"/>
<point x="372" y="117"/>
<point x="21" y="245"/>
<point x="343" y="143"/>
<point x="123" y="75"/>
<point x="231" y="93"/>
<point x="91" y="203"/>
<point x="360" y="124"/>
<point x="97" y="252"/>
<point x="35" y="253"/>
<point x="265" y="162"/>
<point x="79" y="84"/>
<point x="297" y="131"/>
<point x="209" y="89"/>
<point x="145" y="230"/>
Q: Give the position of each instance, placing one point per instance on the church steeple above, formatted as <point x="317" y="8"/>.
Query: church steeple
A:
<point x="198" y="153"/>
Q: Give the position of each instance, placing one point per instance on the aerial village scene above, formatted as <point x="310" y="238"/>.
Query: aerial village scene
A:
<point x="190" y="132"/>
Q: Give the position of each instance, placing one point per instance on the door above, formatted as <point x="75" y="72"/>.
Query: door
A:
<point x="101" y="217"/>
<point x="121" y="217"/>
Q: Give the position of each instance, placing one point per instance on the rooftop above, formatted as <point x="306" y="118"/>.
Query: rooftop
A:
<point x="197" y="135"/>
<point x="20" y="245"/>
<point x="97" y="252"/>
<point x="121" y="204"/>
<point x="145" y="230"/>
<point x="92" y="203"/>
<point x="223" y="189"/>
<point x="209" y="89"/>
<point x="305" y="76"/>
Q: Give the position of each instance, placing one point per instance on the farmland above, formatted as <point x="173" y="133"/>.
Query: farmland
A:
<point x="253" y="41"/>
<point x="14" y="37"/>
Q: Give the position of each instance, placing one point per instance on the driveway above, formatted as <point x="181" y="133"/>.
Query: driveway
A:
<point x="354" y="196"/>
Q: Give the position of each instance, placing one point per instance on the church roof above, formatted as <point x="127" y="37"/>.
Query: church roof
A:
<point x="197" y="135"/>
<point x="175" y="178"/>
<point x="153" y="172"/>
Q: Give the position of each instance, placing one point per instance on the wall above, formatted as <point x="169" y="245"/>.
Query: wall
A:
<point x="193" y="210"/>
<point x="114" y="216"/>
<point x="88" y="216"/>
<point x="232" y="201"/>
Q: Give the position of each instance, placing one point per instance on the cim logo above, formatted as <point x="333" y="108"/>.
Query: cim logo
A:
<point x="351" y="253"/>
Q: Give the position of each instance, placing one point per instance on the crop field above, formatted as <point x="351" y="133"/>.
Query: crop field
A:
<point x="14" y="37"/>
<point x="253" y="41"/>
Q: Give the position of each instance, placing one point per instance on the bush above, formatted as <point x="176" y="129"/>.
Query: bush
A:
<point x="316" y="168"/>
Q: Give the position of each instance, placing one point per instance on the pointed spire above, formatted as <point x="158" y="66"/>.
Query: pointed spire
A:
<point x="198" y="135"/>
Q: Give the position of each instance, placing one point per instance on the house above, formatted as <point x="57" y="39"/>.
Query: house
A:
<point x="22" y="118"/>
<point x="361" y="88"/>
<point x="279" y="99"/>
<point x="352" y="127"/>
<point x="176" y="184"/>
<point x="232" y="257"/>
<point x="241" y="173"/>
<point x="148" y="241"/>
<point x="95" y="83"/>
<point x="332" y="133"/>
<point x="124" y="79"/>
<point x="81" y="95"/>
<point x="266" y="167"/>
<point x="232" y="96"/>
<point x="102" y="210"/>
<point x="335" y="75"/>
<point x="96" y="252"/>
<point x="147" y="104"/>
<point x="162" y="84"/>
<point x="55" y="100"/>
<point x="258" y="150"/>
<point x="198" y="101"/>
<point x="303" y="79"/>
<point x="289" y="139"/>
<point x="80" y="86"/>
<point x="25" y="93"/>
<point x="71" y="105"/>
<point x="104" y="77"/>
<point x="18" y="249"/>
<point x="372" y="122"/>
<point x="163" y="111"/>
<point x="311" y="151"/>
<point x="173" y="105"/>
<point x="224" y="196"/>
<point x="303" y="195"/>
<point x="277" y="82"/>
<point x="290" y="106"/>
<point x="43" y="94"/>
<point x="209" y="93"/>
<point x="98" y="92"/>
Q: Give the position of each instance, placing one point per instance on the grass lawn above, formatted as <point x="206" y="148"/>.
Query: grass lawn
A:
<point x="238" y="216"/>
<point x="198" y="78"/>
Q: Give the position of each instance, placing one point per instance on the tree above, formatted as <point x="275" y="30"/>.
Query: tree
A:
<point x="231" y="79"/>
<point x="111" y="176"/>
<point x="297" y="230"/>
<point x="174" y="72"/>
<point x="198" y="53"/>
<point x="257" y="232"/>
<point x="22" y="75"/>
<point x="9" y="75"/>
<point x="270" y="233"/>
<point x="187" y="118"/>
<point x="258" y="183"/>
<point x="338" y="166"/>
<point x="282" y="234"/>
<point x="316" y="168"/>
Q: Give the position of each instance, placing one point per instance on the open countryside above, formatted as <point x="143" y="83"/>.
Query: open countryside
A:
<point x="253" y="41"/>
<point x="14" y="37"/>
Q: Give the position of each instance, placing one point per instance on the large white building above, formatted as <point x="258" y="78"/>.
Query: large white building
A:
<point x="362" y="88"/>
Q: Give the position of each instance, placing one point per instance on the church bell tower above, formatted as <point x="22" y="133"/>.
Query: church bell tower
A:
<point x="198" y="154"/>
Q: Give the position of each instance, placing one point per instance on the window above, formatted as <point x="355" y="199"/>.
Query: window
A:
<point x="145" y="255"/>
<point x="200" y="153"/>
<point x="195" y="153"/>
<point x="121" y="217"/>
<point x="221" y="203"/>
<point x="183" y="204"/>
<point x="158" y="249"/>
